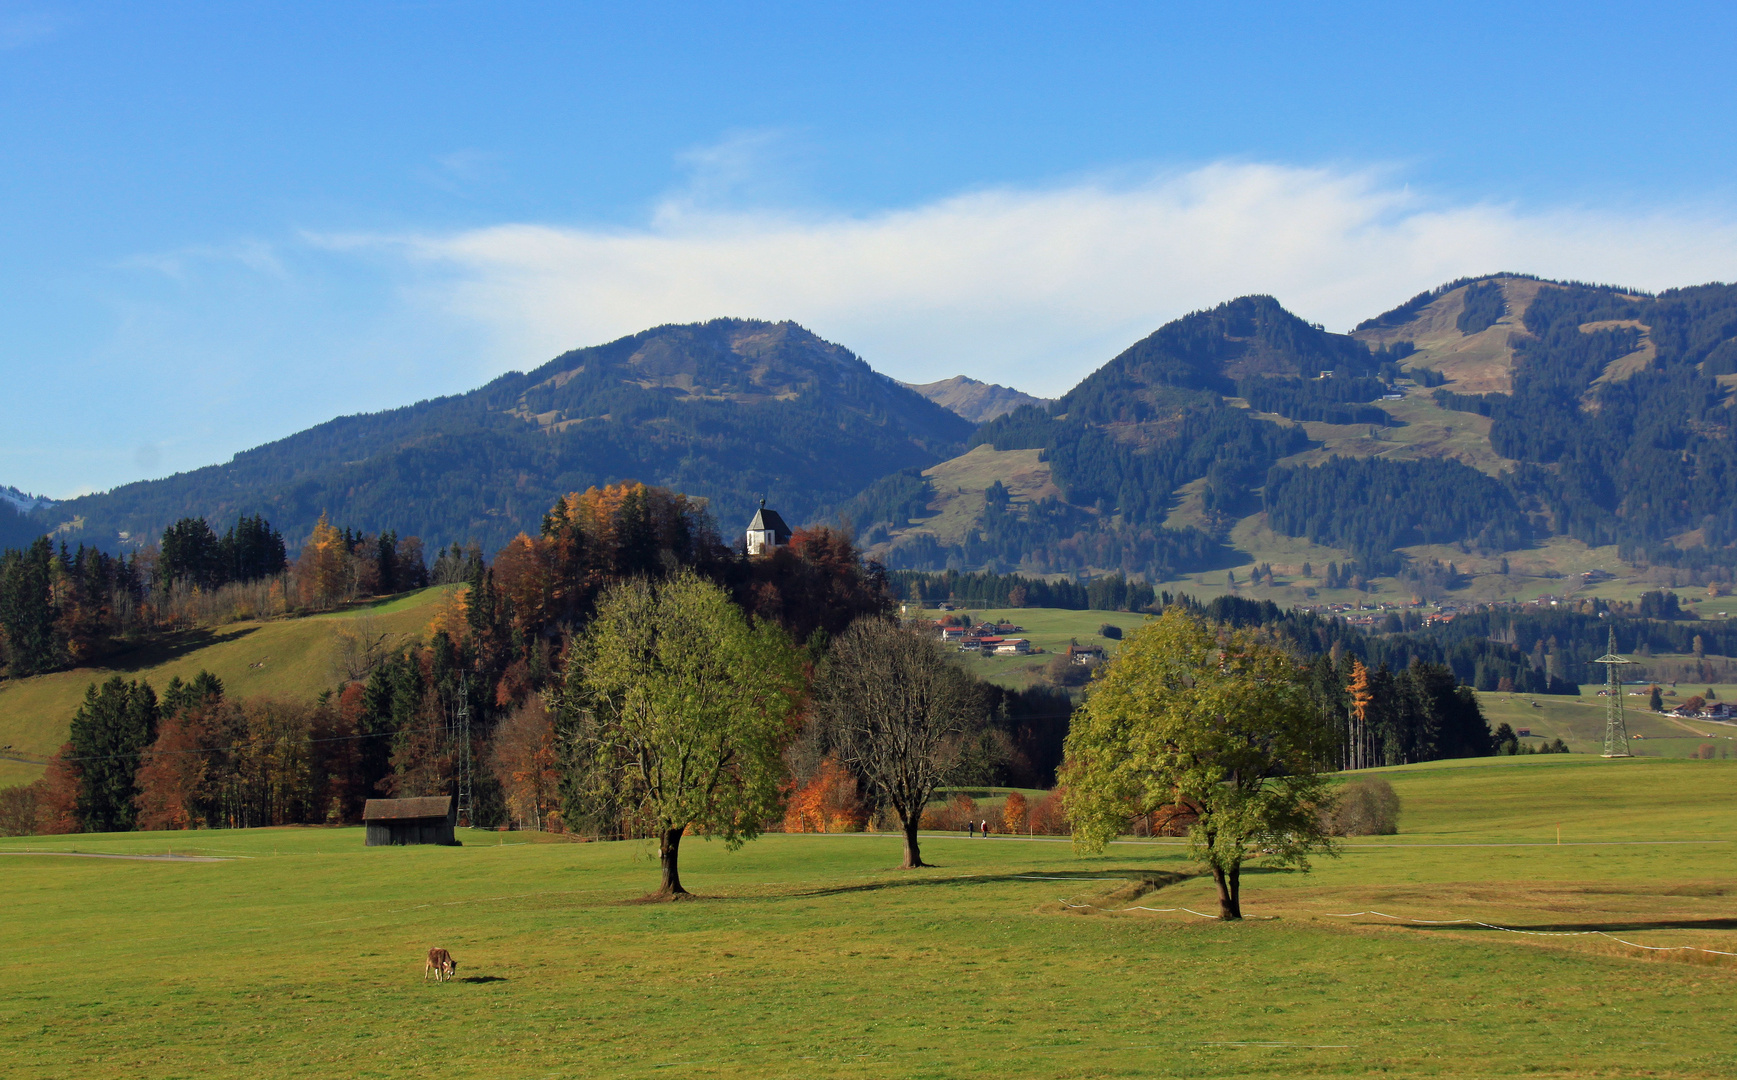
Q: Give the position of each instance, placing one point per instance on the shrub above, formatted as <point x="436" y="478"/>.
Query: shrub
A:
<point x="1114" y="633"/>
<point x="960" y="810"/>
<point x="1045" y="817"/>
<point x="20" y="809"/>
<point x="1061" y="671"/>
<point x="1366" y="806"/>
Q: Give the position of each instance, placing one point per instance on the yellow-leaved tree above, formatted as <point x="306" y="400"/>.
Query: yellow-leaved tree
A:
<point x="1212" y="720"/>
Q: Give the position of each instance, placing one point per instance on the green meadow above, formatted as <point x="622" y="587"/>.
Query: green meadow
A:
<point x="299" y="952"/>
<point x="292" y="658"/>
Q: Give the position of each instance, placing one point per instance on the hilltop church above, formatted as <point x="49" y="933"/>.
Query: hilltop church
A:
<point x="767" y="532"/>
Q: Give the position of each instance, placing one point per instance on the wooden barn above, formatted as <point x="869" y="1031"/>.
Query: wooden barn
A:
<point x="411" y="821"/>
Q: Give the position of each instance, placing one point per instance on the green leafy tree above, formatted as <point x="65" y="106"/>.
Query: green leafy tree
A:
<point x="1216" y="723"/>
<point x="110" y="732"/>
<point x="674" y="712"/>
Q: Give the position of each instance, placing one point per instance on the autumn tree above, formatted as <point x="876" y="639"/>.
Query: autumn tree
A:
<point x="323" y="570"/>
<point x="674" y="712"/>
<point x="178" y="785"/>
<point x="1014" y="812"/>
<point x="1211" y="718"/>
<point x="901" y="714"/>
<point x="523" y="760"/>
<point x="1362" y="699"/>
<point x="827" y="803"/>
<point x="817" y="582"/>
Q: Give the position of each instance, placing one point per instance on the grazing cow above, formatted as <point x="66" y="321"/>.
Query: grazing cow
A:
<point x="440" y="964"/>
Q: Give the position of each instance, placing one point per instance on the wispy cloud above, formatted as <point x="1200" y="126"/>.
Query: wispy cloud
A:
<point x="1032" y="287"/>
<point x="257" y="255"/>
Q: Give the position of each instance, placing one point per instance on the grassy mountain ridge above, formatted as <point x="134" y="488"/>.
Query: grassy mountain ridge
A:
<point x="727" y="410"/>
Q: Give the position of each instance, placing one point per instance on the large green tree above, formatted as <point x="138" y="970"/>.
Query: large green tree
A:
<point x="674" y="712"/>
<point x="1216" y="723"/>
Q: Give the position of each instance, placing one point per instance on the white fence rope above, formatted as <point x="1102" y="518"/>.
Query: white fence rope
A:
<point x="1531" y="933"/>
<point x="1064" y="903"/>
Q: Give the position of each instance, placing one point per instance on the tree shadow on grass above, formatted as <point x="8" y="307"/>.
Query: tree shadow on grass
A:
<point x="1152" y="879"/>
<point x="1608" y="926"/>
<point x="483" y="979"/>
<point x="171" y="648"/>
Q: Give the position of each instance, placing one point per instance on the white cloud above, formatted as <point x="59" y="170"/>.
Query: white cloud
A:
<point x="1033" y="288"/>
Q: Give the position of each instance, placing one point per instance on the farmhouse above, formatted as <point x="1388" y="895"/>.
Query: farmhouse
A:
<point x="767" y="532"/>
<point x="1085" y="655"/>
<point x="410" y="821"/>
<point x="1012" y="647"/>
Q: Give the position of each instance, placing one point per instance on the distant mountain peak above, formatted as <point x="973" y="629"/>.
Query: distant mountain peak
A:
<point x="23" y="502"/>
<point x="978" y="402"/>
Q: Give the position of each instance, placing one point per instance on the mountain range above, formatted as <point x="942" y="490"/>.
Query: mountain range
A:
<point x="1498" y="423"/>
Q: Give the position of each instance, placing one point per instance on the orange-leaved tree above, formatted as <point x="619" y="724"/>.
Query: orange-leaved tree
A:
<point x="1362" y="697"/>
<point x="827" y="803"/>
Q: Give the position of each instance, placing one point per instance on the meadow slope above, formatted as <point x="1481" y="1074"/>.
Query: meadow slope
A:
<point x="291" y="658"/>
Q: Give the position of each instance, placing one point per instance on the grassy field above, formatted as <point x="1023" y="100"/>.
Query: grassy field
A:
<point x="300" y="954"/>
<point x="287" y="657"/>
<point x="1580" y="723"/>
<point x="1049" y="629"/>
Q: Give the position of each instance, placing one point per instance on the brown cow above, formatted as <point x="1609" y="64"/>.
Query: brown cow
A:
<point x="441" y="964"/>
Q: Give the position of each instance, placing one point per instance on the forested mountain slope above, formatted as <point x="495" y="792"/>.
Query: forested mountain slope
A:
<point x="1615" y="405"/>
<point x="1487" y="417"/>
<point x="728" y="410"/>
<point x="1109" y="455"/>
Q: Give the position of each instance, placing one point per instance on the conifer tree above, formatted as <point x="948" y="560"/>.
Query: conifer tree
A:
<point x="27" y="613"/>
<point x="1362" y="697"/>
<point x="109" y="734"/>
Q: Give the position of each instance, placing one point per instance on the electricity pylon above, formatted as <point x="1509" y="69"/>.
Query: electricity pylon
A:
<point x="465" y="802"/>
<point x="1615" y="730"/>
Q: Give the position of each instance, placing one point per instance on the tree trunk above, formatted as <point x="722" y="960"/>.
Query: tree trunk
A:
<point x="1229" y="891"/>
<point x="913" y="857"/>
<point x="667" y="847"/>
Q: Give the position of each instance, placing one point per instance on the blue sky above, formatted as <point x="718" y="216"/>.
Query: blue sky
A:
<point x="225" y="222"/>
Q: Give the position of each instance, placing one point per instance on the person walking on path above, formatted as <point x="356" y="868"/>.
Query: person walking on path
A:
<point x="971" y="828"/>
<point x="985" y="828"/>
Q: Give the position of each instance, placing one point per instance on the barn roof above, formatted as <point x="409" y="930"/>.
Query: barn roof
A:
<point x="434" y="806"/>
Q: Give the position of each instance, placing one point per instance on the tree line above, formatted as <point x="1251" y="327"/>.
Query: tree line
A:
<point x="1107" y="592"/>
<point x="60" y="608"/>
